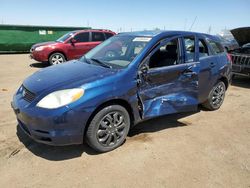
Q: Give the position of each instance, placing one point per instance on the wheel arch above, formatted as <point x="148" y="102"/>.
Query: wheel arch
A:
<point x="58" y="51"/>
<point x="120" y="102"/>
<point x="225" y="81"/>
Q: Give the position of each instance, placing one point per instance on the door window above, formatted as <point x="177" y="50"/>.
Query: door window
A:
<point x="189" y="43"/>
<point x="216" y="46"/>
<point x="166" y="55"/>
<point x="82" y="37"/>
<point x="97" y="36"/>
<point x="203" y="49"/>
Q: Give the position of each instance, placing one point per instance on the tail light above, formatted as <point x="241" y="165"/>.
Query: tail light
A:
<point x="229" y="57"/>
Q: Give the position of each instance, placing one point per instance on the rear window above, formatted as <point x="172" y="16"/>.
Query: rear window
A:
<point x="108" y="35"/>
<point x="216" y="46"/>
<point x="203" y="50"/>
<point x="98" y="36"/>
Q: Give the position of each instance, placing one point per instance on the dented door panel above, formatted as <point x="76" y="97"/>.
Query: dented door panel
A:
<point x="170" y="89"/>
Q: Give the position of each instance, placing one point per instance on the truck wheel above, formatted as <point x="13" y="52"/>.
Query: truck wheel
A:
<point x="108" y="129"/>
<point x="216" y="96"/>
<point x="56" y="58"/>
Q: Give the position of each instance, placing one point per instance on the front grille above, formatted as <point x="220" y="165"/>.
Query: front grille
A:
<point x="28" y="95"/>
<point x="241" y="59"/>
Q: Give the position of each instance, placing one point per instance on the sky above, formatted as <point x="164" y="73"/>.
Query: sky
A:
<point x="209" y="16"/>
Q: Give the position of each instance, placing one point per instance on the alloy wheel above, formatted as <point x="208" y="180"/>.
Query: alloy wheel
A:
<point x="57" y="59"/>
<point x="111" y="129"/>
<point x="218" y="95"/>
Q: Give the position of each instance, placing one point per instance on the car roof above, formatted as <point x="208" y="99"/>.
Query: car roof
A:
<point x="92" y="30"/>
<point x="155" y="33"/>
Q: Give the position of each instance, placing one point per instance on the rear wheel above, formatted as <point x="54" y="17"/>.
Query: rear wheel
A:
<point x="56" y="58"/>
<point x="108" y="129"/>
<point x="216" y="96"/>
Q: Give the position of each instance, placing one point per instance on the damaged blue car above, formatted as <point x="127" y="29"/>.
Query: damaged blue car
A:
<point x="128" y="78"/>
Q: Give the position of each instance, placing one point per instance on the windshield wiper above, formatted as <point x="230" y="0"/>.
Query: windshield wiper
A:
<point x="102" y="63"/>
<point x="84" y="59"/>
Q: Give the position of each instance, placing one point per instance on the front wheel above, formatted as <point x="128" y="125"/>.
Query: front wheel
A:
<point x="56" y="58"/>
<point x="108" y="129"/>
<point x="216" y="96"/>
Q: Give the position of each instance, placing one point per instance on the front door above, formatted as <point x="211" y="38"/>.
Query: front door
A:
<point x="167" y="84"/>
<point x="80" y="46"/>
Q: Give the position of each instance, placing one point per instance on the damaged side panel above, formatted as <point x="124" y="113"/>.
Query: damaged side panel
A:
<point x="170" y="90"/>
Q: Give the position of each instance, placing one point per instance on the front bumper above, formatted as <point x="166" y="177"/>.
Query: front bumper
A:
<point x="57" y="127"/>
<point x="241" y="70"/>
<point x="39" y="56"/>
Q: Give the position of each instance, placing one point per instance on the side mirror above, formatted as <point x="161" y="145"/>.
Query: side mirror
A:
<point x="72" y="41"/>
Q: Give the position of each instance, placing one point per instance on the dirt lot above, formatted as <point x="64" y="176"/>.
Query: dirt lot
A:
<point x="205" y="149"/>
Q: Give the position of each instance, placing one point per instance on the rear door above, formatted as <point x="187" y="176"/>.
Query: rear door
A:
<point x="96" y="38"/>
<point x="209" y="62"/>
<point x="168" y="84"/>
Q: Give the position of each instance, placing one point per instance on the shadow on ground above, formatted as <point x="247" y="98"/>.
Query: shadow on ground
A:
<point x="39" y="65"/>
<point x="241" y="81"/>
<point x="58" y="153"/>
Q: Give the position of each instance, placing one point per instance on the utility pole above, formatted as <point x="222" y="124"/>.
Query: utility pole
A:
<point x="209" y="30"/>
<point x="193" y="23"/>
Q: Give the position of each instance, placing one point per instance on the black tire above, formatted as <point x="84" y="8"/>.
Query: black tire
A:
<point x="56" y="58"/>
<point x="108" y="129"/>
<point x="216" y="96"/>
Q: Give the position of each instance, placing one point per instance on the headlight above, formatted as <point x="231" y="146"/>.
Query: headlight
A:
<point x="40" y="48"/>
<point x="60" y="98"/>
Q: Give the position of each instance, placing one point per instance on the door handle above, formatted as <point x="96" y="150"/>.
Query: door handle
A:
<point x="212" y="64"/>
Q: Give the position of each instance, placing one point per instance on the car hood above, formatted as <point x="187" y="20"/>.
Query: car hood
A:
<point x="44" y="44"/>
<point x="71" y="74"/>
<point x="241" y="35"/>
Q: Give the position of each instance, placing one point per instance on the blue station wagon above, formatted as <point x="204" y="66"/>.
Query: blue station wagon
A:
<point x="128" y="78"/>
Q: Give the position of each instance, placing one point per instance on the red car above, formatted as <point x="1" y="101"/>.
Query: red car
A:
<point x="70" y="46"/>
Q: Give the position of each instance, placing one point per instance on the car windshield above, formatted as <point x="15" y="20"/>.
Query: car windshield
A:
<point x="65" y="37"/>
<point x="117" y="52"/>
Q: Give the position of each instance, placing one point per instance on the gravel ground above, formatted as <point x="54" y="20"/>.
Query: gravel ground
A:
<point x="205" y="149"/>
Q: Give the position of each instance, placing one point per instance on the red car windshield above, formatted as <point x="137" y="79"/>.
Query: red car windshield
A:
<point x="65" y="37"/>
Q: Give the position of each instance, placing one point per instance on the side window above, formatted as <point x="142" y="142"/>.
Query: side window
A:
<point x="203" y="49"/>
<point x="216" y="46"/>
<point x="166" y="55"/>
<point x="189" y="44"/>
<point x="98" y="36"/>
<point x="108" y="35"/>
<point x="82" y="37"/>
